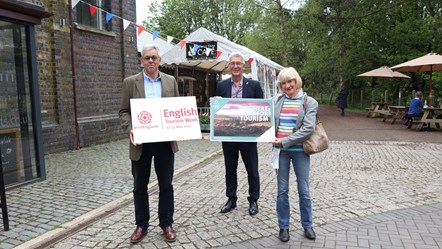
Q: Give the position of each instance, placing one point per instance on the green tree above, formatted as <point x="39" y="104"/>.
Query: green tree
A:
<point x="230" y="19"/>
<point x="273" y="36"/>
<point x="345" y="38"/>
<point x="329" y="42"/>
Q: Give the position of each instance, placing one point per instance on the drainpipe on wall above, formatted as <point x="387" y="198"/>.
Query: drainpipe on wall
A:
<point x="74" y="86"/>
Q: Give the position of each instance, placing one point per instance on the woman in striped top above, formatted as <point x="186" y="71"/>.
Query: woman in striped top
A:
<point x="294" y="124"/>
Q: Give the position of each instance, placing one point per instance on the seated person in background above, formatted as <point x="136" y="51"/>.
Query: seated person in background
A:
<point x="415" y="105"/>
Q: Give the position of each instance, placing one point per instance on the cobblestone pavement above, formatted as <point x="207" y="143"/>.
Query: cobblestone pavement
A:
<point x="79" y="182"/>
<point x="365" y="194"/>
<point x="378" y="186"/>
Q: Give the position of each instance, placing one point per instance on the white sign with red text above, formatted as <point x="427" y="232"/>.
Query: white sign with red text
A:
<point x="165" y="119"/>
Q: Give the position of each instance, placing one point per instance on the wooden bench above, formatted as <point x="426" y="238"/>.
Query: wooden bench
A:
<point x="386" y="114"/>
<point x="421" y="122"/>
<point x="429" y="117"/>
<point x="381" y="113"/>
<point x="397" y="112"/>
<point x="376" y="109"/>
<point x="414" y="121"/>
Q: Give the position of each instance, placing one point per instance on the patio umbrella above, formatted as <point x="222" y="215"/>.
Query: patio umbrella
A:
<point x="427" y="63"/>
<point x="383" y="72"/>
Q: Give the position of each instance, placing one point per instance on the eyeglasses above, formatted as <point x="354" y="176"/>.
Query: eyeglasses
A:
<point x="147" y="58"/>
<point x="235" y="64"/>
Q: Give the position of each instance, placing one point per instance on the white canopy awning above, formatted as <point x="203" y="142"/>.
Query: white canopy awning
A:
<point x="261" y="68"/>
<point x="177" y="55"/>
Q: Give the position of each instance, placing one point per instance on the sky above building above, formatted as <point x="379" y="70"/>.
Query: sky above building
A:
<point x="143" y="9"/>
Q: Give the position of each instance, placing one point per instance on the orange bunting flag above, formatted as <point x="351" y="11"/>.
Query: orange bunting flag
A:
<point x="218" y="53"/>
<point x="92" y="10"/>
<point x="140" y="29"/>
<point x="182" y="43"/>
<point x="250" y="60"/>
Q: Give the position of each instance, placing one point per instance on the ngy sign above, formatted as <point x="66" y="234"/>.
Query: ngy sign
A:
<point x="201" y="50"/>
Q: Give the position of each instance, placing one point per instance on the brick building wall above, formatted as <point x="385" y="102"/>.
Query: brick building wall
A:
<point x="101" y="61"/>
<point x="55" y="84"/>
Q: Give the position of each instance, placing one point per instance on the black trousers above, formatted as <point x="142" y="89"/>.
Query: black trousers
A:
<point x="164" y="159"/>
<point x="249" y="155"/>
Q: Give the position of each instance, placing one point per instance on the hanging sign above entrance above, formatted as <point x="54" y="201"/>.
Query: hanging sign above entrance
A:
<point x="201" y="50"/>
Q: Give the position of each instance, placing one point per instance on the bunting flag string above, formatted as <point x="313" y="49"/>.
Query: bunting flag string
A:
<point x="74" y="3"/>
<point x="155" y="34"/>
<point x="93" y="9"/>
<point x="108" y="17"/>
<point x="125" y="24"/>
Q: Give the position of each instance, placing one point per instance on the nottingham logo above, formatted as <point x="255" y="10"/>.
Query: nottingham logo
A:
<point x="144" y="117"/>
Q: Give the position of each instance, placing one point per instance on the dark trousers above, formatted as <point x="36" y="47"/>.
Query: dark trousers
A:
<point x="249" y="155"/>
<point x="164" y="160"/>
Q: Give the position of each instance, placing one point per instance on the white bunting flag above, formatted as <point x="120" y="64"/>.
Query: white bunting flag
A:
<point x="75" y="2"/>
<point x="125" y="23"/>
<point x="169" y="39"/>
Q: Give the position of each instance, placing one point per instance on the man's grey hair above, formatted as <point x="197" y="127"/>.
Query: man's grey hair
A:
<point x="418" y="94"/>
<point x="236" y="54"/>
<point x="148" y="47"/>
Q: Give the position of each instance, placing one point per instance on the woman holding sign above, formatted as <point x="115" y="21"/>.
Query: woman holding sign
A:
<point x="294" y="124"/>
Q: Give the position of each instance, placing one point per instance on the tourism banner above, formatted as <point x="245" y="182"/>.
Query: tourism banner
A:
<point x="242" y="120"/>
<point x="165" y="119"/>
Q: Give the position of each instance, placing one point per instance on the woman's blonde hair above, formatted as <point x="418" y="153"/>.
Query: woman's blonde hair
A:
<point x="287" y="74"/>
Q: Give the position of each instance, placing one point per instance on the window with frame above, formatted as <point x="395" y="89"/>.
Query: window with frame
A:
<point x="98" y="20"/>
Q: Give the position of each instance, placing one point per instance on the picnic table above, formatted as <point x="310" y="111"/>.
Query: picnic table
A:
<point x="430" y="116"/>
<point x="395" y="112"/>
<point x="377" y="108"/>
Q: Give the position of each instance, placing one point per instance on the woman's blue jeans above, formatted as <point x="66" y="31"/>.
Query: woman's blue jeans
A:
<point x="301" y="166"/>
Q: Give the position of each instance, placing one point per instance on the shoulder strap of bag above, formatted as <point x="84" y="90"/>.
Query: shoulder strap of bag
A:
<point x="305" y="104"/>
<point x="305" y="110"/>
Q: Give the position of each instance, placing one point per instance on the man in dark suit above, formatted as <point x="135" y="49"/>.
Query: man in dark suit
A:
<point x="150" y="83"/>
<point x="240" y="87"/>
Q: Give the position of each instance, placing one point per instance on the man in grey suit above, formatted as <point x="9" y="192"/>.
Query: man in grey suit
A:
<point x="150" y="83"/>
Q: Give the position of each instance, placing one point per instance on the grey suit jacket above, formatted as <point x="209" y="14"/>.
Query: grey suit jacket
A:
<point x="133" y="88"/>
<point x="304" y="129"/>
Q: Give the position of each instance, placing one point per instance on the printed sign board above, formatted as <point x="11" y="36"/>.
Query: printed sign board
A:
<point x="165" y="119"/>
<point x="201" y="50"/>
<point x="242" y="120"/>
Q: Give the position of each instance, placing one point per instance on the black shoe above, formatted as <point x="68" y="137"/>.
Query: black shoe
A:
<point x="231" y="204"/>
<point x="284" y="235"/>
<point x="309" y="233"/>
<point x="253" y="208"/>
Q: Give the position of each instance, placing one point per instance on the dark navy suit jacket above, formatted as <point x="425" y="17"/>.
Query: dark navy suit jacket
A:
<point x="249" y="151"/>
<point x="250" y="89"/>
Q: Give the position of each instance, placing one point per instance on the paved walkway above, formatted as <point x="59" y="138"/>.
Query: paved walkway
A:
<point x="380" y="193"/>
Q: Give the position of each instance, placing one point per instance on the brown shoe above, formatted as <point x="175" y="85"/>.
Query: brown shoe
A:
<point x="138" y="235"/>
<point x="169" y="234"/>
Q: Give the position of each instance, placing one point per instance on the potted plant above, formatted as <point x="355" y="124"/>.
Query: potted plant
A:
<point x="204" y="121"/>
